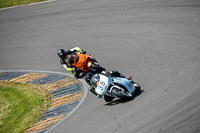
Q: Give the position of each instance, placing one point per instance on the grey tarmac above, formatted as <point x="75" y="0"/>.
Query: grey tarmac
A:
<point x="154" y="41"/>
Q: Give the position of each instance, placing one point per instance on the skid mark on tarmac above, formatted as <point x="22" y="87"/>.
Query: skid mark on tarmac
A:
<point x="67" y="93"/>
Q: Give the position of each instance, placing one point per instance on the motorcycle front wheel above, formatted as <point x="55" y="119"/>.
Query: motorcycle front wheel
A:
<point x="122" y="94"/>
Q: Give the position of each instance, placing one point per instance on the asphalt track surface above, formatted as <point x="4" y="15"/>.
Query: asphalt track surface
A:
<point x="155" y="41"/>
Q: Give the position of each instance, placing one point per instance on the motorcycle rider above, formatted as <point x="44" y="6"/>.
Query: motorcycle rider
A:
<point x="91" y="79"/>
<point x="70" y="56"/>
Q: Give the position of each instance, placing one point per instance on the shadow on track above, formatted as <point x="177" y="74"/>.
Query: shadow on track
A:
<point x="118" y="101"/>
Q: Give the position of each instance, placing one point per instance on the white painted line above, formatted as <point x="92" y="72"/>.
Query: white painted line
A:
<point x="27" y="4"/>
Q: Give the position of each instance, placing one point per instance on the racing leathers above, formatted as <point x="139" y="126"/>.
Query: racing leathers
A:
<point x="69" y="58"/>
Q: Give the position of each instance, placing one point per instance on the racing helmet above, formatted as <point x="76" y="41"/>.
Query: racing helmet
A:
<point x="88" y="77"/>
<point x="62" y="53"/>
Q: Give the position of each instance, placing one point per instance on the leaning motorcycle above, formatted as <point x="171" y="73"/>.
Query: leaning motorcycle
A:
<point x="86" y="63"/>
<point x="114" y="87"/>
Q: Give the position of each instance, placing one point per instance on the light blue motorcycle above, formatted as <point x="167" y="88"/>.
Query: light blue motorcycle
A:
<point x="114" y="87"/>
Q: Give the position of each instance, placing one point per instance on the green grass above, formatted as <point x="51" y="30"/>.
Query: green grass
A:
<point x="8" y="3"/>
<point x="21" y="105"/>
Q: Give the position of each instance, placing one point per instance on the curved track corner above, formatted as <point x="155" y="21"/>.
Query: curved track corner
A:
<point x="68" y="94"/>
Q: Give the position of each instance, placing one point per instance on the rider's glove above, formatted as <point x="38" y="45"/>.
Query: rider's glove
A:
<point x="75" y="49"/>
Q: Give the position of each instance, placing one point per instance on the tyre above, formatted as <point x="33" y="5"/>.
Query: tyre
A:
<point x="137" y="87"/>
<point x="122" y="94"/>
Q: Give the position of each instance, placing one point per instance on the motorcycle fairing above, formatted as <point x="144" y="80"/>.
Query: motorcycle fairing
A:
<point x="124" y="82"/>
<point x="103" y="84"/>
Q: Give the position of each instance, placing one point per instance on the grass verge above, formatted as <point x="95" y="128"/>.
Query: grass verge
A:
<point x="8" y="3"/>
<point x="21" y="105"/>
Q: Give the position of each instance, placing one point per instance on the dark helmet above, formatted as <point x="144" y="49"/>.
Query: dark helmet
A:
<point x="88" y="76"/>
<point x="62" y="53"/>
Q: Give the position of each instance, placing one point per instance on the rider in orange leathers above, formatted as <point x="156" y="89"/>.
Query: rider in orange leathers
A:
<point x="74" y="60"/>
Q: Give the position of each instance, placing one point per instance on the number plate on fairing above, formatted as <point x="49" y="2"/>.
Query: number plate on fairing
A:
<point x="103" y="85"/>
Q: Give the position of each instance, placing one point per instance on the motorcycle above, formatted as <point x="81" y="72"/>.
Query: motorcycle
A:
<point x="114" y="87"/>
<point x="86" y="63"/>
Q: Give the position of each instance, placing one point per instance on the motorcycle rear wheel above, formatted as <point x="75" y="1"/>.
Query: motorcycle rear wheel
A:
<point x="137" y="87"/>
